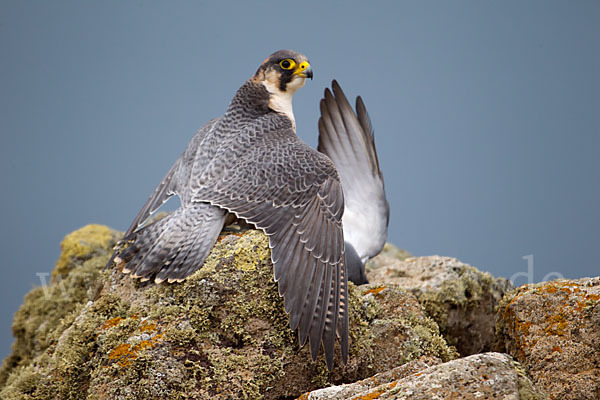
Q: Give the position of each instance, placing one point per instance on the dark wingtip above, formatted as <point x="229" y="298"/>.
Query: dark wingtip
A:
<point x="329" y="360"/>
<point x="110" y="261"/>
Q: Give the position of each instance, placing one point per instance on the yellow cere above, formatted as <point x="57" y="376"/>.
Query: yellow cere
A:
<point x="302" y="67"/>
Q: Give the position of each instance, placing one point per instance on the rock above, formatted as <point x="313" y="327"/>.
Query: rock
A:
<point x="553" y="328"/>
<point x="223" y="333"/>
<point x="480" y="376"/>
<point x="460" y="298"/>
<point x="389" y="255"/>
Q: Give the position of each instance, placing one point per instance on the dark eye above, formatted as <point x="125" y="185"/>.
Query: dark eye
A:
<point x="287" y="64"/>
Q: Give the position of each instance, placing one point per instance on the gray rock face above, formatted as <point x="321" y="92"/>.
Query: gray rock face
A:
<point x="481" y="376"/>
<point x="553" y="329"/>
<point x="460" y="298"/>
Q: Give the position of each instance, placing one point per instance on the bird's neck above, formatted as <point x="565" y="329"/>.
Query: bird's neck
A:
<point x="251" y="99"/>
<point x="254" y="99"/>
<point x="280" y="101"/>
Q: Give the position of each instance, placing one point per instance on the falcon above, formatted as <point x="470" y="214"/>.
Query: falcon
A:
<point x="249" y="163"/>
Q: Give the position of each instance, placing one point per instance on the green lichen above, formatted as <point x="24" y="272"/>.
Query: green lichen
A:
<point x="49" y="310"/>
<point x="469" y="299"/>
<point x="464" y="293"/>
<point x="526" y="389"/>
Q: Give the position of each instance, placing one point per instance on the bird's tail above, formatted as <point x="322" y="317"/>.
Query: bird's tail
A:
<point x="173" y="247"/>
<point x="355" y="266"/>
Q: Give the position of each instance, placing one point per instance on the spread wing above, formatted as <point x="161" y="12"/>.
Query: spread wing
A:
<point x="162" y="193"/>
<point x="347" y="138"/>
<point x="293" y="193"/>
<point x="174" y="181"/>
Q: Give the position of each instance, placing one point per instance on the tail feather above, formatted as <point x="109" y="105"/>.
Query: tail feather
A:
<point x="355" y="266"/>
<point x="175" y="246"/>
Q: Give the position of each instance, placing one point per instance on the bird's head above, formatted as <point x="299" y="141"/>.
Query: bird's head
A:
<point x="284" y="72"/>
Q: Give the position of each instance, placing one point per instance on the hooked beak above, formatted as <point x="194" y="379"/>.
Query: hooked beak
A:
<point x="308" y="72"/>
<point x="304" y="70"/>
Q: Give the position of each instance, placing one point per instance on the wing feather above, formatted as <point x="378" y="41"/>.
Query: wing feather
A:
<point x="162" y="193"/>
<point x="347" y="138"/>
<point x="293" y="193"/>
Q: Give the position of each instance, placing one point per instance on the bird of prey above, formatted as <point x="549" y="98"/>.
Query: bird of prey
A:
<point x="250" y="163"/>
<point x="347" y="139"/>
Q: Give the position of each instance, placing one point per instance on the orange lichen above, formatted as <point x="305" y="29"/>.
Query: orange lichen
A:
<point x="571" y="298"/>
<point x="556" y="349"/>
<point x="557" y="324"/>
<point x="125" y="353"/>
<point x="551" y="289"/>
<point x="111" y="323"/>
<point x="122" y="354"/>
<point x="376" y="291"/>
<point x="370" y="396"/>
<point x="221" y="237"/>
<point x="593" y="297"/>
<point x="148" y="328"/>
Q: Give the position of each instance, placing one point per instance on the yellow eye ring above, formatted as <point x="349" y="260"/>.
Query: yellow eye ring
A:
<point x="287" y="64"/>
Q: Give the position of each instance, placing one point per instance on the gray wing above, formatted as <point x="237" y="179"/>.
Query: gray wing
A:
<point x="347" y="138"/>
<point x="175" y="246"/>
<point x="176" y="178"/>
<point x="162" y="193"/>
<point x="293" y="193"/>
<point x="162" y="249"/>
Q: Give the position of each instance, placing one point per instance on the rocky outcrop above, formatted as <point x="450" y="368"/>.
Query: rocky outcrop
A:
<point x="460" y="298"/>
<point x="481" y="376"/>
<point x="553" y="328"/>
<point x="223" y="333"/>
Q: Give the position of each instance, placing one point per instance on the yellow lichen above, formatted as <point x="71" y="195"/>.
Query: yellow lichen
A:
<point x="248" y="248"/>
<point x="81" y="243"/>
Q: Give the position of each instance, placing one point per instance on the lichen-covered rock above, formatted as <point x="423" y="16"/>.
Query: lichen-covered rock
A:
<point x="388" y="255"/>
<point x="364" y="386"/>
<point x="48" y="310"/>
<point x="460" y="298"/>
<point x="553" y="328"/>
<point x="223" y="333"/>
<point x="481" y="376"/>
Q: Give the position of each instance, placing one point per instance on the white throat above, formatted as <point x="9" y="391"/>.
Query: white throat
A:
<point x="281" y="102"/>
